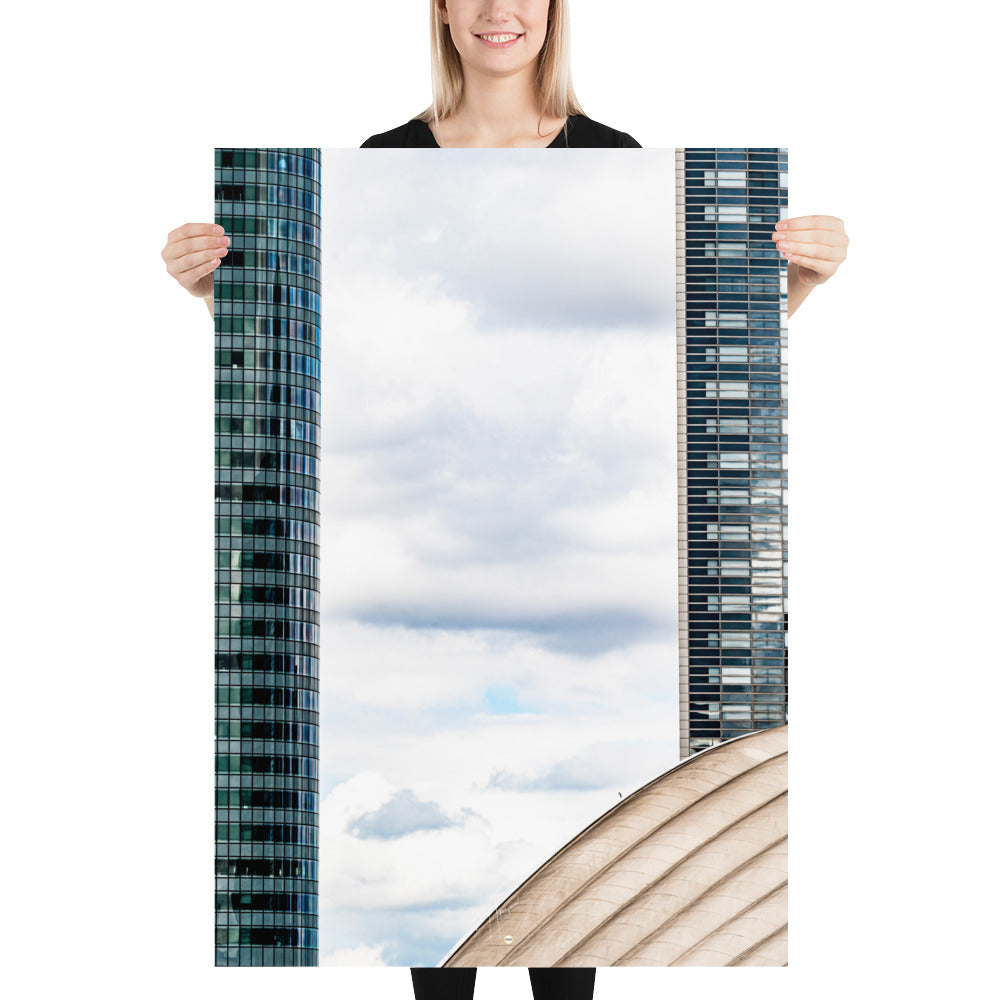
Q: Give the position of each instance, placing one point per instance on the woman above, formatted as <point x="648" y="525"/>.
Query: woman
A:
<point x="501" y="78"/>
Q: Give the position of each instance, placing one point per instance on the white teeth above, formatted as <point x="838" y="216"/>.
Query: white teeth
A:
<point x="498" y="39"/>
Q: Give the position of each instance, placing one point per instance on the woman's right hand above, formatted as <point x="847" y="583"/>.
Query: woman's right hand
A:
<point x="192" y="254"/>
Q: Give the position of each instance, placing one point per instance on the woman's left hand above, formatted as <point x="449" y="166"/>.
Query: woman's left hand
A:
<point x="814" y="246"/>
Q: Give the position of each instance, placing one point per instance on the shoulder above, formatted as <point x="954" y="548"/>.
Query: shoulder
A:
<point x="413" y="133"/>
<point x="583" y="132"/>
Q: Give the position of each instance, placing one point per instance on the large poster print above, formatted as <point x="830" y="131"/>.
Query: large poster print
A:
<point x="514" y="347"/>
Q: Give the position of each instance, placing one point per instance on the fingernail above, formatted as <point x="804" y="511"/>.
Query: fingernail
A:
<point x="218" y="229"/>
<point x="781" y="225"/>
<point x="782" y="245"/>
<point x="222" y="241"/>
<point x="221" y="252"/>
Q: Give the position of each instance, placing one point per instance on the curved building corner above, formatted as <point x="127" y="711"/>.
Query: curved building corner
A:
<point x="690" y="870"/>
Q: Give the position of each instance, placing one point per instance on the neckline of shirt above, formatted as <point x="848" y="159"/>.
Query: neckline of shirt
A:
<point x="552" y="145"/>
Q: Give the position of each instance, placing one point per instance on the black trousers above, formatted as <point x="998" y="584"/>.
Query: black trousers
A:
<point x="546" y="984"/>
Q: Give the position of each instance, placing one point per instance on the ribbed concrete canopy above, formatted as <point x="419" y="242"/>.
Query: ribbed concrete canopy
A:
<point x="692" y="869"/>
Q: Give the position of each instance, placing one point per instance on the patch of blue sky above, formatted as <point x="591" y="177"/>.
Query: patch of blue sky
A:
<point x="501" y="699"/>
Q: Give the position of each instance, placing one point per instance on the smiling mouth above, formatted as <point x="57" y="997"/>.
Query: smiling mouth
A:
<point x="499" y="39"/>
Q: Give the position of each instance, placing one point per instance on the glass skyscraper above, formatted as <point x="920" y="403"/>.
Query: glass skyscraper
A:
<point x="267" y="440"/>
<point x="732" y="476"/>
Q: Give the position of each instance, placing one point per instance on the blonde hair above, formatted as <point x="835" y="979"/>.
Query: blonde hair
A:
<point x="555" y="87"/>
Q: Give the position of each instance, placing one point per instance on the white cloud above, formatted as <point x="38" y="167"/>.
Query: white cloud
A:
<point x="403" y="814"/>
<point x="397" y="671"/>
<point x="489" y="477"/>
<point x="547" y="241"/>
<point x="363" y="954"/>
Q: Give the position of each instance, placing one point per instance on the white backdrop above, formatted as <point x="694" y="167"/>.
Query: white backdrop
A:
<point x="107" y="495"/>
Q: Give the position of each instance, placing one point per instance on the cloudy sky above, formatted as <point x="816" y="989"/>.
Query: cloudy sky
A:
<point x="499" y="542"/>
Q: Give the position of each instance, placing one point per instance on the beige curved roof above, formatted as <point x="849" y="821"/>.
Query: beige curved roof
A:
<point x="692" y="869"/>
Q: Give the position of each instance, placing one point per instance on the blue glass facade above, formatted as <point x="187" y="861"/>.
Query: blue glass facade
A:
<point x="267" y="441"/>
<point x="732" y="411"/>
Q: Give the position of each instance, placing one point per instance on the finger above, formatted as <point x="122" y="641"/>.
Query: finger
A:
<point x="183" y="247"/>
<point x="191" y="278"/>
<point x="824" y="222"/>
<point x="188" y="230"/>
<point x="820" y="236"/>
<point x="182" y="267"/>
<point x="195" y="229"/>
<point x="817" y="250"/>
